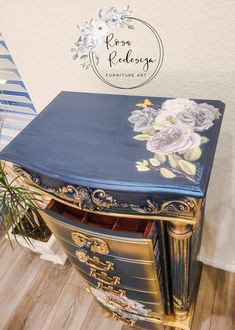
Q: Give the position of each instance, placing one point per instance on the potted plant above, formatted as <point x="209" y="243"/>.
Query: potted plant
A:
<point x="22" y="222"/>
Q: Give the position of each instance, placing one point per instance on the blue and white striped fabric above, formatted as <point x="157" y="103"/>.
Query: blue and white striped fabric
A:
<point x="16" y="107"/>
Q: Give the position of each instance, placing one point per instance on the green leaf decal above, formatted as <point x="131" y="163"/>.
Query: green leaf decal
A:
<point x="193" y="154"/>
<point x="204" y="139"/>
<point x="187" y="167"/>
<point x="154" y="162"/>
<point x="160" y="158"/>
<point x="150" y="131"/>
<point x="167" y="173"/>
<point x="141" y="137"/>
<point x="142" y="168"/>
<point x="174" y="160"/>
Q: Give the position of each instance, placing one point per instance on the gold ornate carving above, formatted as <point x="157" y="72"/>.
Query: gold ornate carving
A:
<point x="93" y="262"/>
<point x="118" y="304"/>
<point x="123" y="320"/>
<point x="104" y="278"/>
<point x="98" y="199"/>
<point x="96" y="245"/>
<point x="110" y="289"/>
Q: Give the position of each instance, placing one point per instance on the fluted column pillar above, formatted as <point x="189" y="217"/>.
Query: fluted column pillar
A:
<point x="179" y="234"/>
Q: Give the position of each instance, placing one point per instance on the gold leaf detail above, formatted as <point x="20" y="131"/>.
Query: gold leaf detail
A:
<point x="174" y="160"/>
<point x="187" y="167"/>
<point x="204" y="139"/>
<point x="141" y="137"/>
<point x="150" y="131"/>
<point x="193" y="154"/>
<point x="167" y="173"/>
<point x="154" y="162"/>
<point x="160" y="158"/>
<point x="142" y="168"/>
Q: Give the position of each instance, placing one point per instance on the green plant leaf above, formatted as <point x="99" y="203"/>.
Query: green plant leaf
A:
<point x="160" y="158"/>
<point x="167" y="173"/>
<point x="193" y="154"/>
<point x="187" y="167"/>
<point x="204" y="139"/>
<point x="174" y="160"/>
<point x="154" y="162"/>
<point x="141" y="137"/>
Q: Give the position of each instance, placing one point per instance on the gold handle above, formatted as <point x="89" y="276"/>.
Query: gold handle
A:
<point x="123" y="320"/>
<point x="110" y="289"/>
<point x="118" y="304"/>
<point x="104" y="278"/>
<point x="93" y="262"/>
<point x="96" y="245"/>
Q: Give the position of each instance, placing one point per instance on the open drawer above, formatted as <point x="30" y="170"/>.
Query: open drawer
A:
<point x="131" y="238"/>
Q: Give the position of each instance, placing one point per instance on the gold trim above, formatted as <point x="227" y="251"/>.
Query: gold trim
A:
<point x="123" y="306"/>
<point x="98" y="199"/>
<point x="179" y="247"/>
<point x="94" y="262"/>
<point x="110" y="289"/>
<point x="96" y="245"/>
<point x="123" y="320"/>
<point x="104" y="278"/>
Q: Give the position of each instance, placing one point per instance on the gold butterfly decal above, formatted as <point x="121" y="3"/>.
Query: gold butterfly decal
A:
<point x="145" y="104"/>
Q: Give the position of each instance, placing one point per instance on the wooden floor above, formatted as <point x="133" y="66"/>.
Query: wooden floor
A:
<point x="36" y="294"/>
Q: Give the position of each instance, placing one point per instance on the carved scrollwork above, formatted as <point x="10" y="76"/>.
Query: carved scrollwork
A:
<point x="98" y="199"/>
<point x="103" y="199"/>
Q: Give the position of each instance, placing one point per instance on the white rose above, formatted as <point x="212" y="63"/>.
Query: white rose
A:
<point x="199" y="118"/>
<point x="178" y="105"/>
<point x="165" y="119"/>
<point x="177" y="138"/>
<point x="91" y="41"/>
<point x="100" y="28"/>
<point x="143" y="119"/>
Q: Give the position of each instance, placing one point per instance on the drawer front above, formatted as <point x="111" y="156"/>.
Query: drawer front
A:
<point x="123" y="282"/>
<point x="150" y="297"/>
<point x="113" y="244"/>
<point x="120" y="266"/>
<point x="112" y="301"/>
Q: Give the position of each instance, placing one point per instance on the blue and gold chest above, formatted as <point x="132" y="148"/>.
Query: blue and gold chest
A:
<point x="127" y="177"/>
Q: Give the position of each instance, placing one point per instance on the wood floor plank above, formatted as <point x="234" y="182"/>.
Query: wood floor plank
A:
<point x="223" y="314"/>
<point x="205" y="299"/>
<point x="69" y="310"/>
<point x="35" y="306"/>
<point x="16" y="282"/>
<point x="7" y="255"/>
<point x="96" y="321"/>
<point x="75" y="279"/>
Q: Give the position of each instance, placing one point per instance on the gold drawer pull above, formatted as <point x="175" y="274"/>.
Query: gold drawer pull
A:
<point x="104" y="278"/>
<point x="93" y="262"/>
<point x="123" y="320"/>
<point x="118" y="304"/>
<point x="96" y="245"/>
<point x="110" y="289"/>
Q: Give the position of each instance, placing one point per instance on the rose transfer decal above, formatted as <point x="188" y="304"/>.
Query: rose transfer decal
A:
<point x="173" y="134"/>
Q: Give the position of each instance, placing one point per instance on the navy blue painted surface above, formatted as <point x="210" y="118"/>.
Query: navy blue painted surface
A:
<point x="86" y="139"/>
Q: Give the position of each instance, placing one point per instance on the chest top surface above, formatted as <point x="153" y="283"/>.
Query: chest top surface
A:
<point x="123" y="143"/>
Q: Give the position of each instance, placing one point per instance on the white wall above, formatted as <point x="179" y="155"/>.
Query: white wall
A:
<point x="198" y="38"/>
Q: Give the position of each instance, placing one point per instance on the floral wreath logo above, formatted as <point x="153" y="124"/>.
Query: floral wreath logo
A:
<point x="93" y="32"/>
